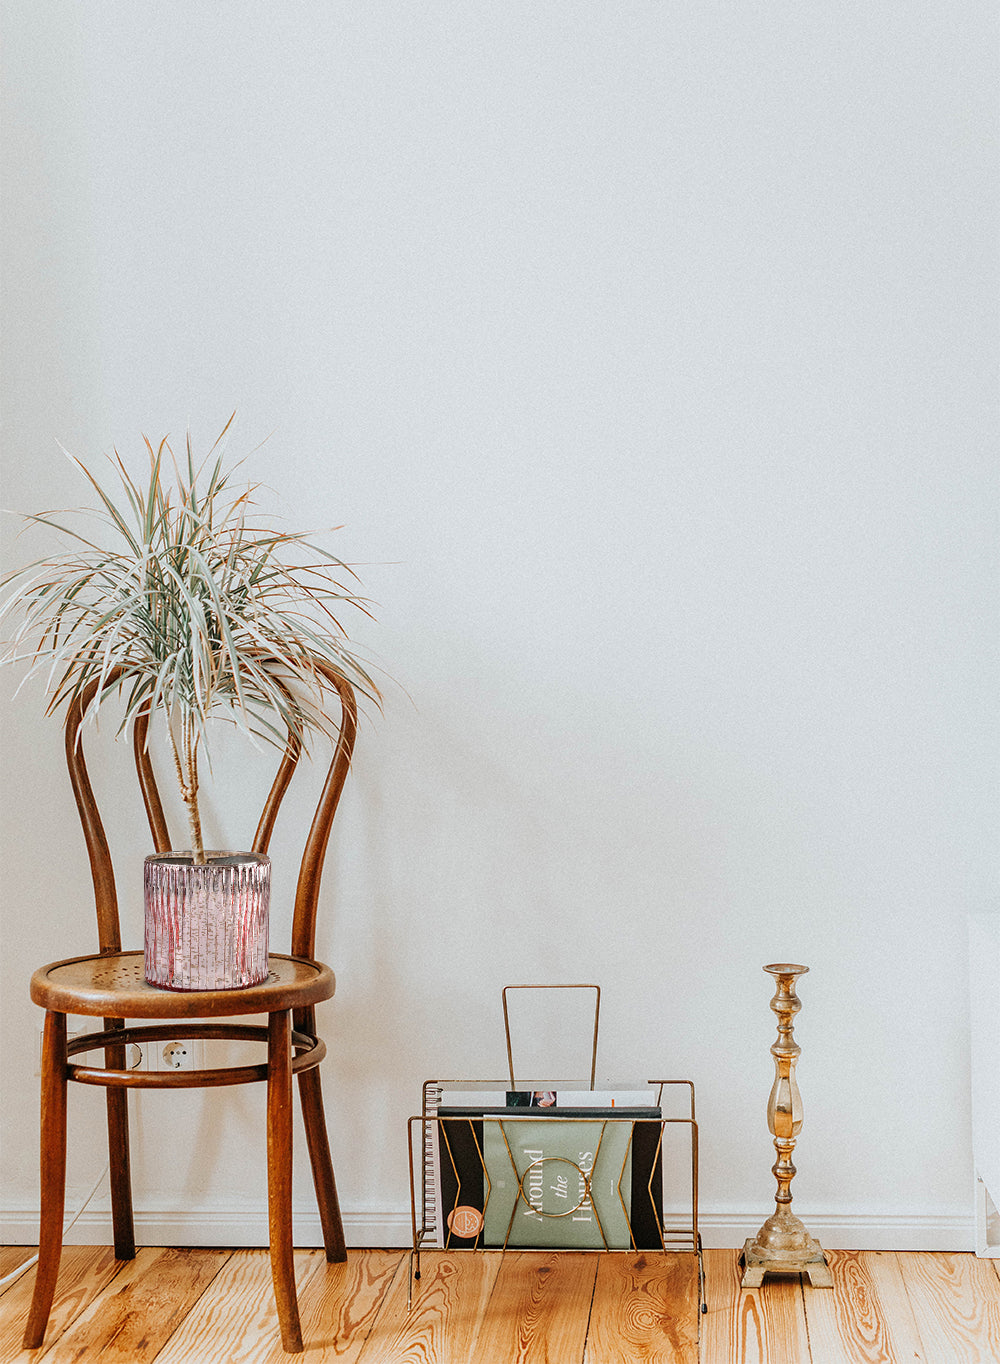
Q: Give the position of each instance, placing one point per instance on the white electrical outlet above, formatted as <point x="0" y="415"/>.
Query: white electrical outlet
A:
<point x="182" y="1054"/>
<point x="178" y="1055"/>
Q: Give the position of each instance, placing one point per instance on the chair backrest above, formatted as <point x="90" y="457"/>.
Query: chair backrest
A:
<point x="313" y="856"/>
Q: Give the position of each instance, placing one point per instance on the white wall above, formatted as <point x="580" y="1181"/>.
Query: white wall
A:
<point x="647" y="354"/>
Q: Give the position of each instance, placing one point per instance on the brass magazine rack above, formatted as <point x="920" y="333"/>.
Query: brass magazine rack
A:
<point x="564" y="1168"/>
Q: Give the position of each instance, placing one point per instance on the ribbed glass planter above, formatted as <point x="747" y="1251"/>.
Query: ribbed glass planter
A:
<point x="207" y="925"/>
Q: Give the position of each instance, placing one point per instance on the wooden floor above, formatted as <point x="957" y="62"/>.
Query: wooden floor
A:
<point x="215" y="1307"/>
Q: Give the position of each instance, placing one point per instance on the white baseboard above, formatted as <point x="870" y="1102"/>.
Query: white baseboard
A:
<point x="213" y="1227"/>
<point x="391" y="1227"/>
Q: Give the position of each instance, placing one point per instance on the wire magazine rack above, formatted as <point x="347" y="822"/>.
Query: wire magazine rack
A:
<point x="471" y="1174"/>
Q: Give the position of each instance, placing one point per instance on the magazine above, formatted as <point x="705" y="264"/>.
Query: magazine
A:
<point x="558" y="1182"/>
<point x="597" y="1172"/>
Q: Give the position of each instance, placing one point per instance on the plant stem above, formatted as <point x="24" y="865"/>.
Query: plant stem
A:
<point x="186" y="766"/>
<point x="189" y="790"/>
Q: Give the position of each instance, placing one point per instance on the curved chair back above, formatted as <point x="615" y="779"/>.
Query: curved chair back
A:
<point x="313" y="856"/>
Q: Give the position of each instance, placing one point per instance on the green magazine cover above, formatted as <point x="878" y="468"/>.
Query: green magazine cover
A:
<point x="557" y="1182"/>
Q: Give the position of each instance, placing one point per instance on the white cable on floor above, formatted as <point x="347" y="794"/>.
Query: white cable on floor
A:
<point x="16" y="1273"/>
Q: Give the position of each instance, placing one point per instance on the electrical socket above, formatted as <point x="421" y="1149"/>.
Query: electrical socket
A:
<point x="182" y="1054"/>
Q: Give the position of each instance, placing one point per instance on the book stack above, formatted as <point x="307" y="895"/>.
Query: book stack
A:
<point x="557" y="1168"/>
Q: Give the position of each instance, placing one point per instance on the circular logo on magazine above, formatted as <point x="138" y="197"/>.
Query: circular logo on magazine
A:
<point x="465" y="1221"/>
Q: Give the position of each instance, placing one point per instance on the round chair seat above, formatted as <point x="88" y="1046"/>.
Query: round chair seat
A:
<point x="113" y="986"/>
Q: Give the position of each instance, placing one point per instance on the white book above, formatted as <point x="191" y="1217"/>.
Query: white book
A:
<point x="568" y="1094"/>
<point x="431" y="1170"/>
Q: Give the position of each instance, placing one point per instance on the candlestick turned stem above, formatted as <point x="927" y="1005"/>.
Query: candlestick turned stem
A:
<point x="783" y="1246"/>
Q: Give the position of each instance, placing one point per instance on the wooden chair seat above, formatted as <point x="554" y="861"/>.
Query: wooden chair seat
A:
<point x="112" y="986"/>
<point x="109" y="985"/>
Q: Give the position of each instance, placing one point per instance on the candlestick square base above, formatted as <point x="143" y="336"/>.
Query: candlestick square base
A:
<point x="808" y="1260"/>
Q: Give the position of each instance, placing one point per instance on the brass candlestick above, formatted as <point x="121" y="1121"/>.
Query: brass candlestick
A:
<point x="783" y="1246"/>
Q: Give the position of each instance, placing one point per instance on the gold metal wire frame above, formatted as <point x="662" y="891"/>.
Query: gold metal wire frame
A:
<point x="597" y="1021"/>
<point x="670" y="1237"/>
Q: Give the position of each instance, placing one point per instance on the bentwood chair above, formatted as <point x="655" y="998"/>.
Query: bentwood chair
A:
<point x="110" y="986"/>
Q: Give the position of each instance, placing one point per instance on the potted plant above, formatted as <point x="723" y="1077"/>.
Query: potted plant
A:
<point x="189" y="606"/>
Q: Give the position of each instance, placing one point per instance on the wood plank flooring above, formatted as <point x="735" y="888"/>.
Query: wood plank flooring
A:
<point x="216" y="1307"/>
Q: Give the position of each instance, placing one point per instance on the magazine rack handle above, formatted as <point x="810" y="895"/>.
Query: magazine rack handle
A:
<point x="597" y="1019"/>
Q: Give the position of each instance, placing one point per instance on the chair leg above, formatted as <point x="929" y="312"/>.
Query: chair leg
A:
<point x="53" y="1172"/>
<point x="314" y="1118"/>
<point x="279" y="1176"/>
<point x="120" y="1175"/>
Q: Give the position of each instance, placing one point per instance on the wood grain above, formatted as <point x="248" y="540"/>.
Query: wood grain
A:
<point x="866" y="1318"/>
<point x="645" y="1307"/>
<point x="765" y="1325"/>
<point x="134" y="1318"/>
<point x="956" y="1306"/>
<point x="84" y="1273"/>
<point x="449" y="1302"/>
<point x="217" y="1307"/>
<point x="235" y="1320"/>
<point x="13" y="1256"/>
<point x="339" y="1304"/>
<point x="538" y="1311"/>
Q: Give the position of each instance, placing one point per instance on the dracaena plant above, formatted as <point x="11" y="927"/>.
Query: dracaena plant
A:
<point x="184" y="600"/>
